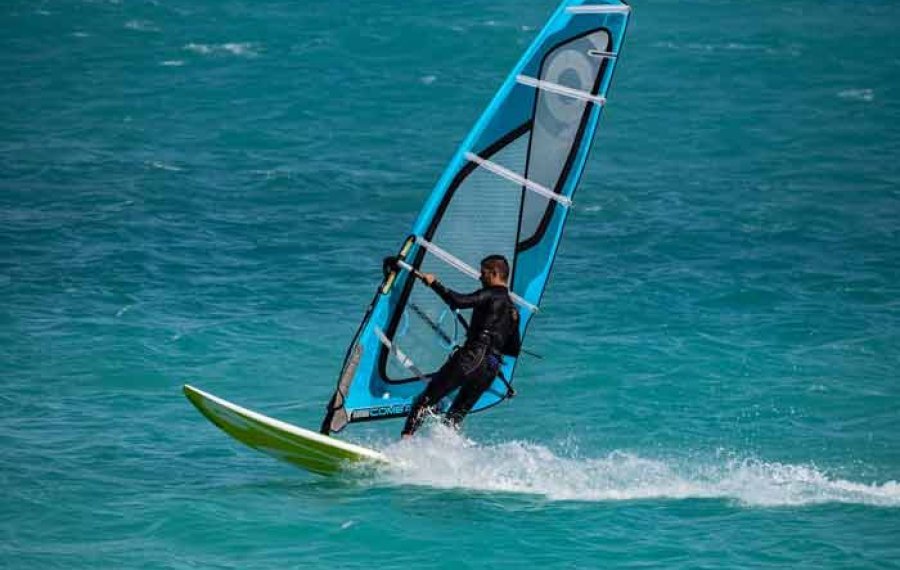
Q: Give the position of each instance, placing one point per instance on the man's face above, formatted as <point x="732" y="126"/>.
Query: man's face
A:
<point x="486" y="276"/>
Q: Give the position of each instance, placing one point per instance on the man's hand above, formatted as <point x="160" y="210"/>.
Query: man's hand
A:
<point x="428" y="278"/>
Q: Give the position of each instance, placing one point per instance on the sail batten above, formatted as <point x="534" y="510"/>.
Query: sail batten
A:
<point x="462" y="266"/>
<point x="401" y="356"/>
<point x="513" y="177"/>
<point x="449" y="258"/>
<point x="560" y="89"/>
<point x="602" y="54"/>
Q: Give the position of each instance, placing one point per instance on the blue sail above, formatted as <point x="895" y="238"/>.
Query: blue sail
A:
<point x="506" y="191"/>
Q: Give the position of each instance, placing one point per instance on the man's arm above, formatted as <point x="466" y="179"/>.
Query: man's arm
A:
<point x="451" y="297"/>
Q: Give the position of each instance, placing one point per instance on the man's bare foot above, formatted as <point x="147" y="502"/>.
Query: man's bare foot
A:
<point x="405" y="436"/>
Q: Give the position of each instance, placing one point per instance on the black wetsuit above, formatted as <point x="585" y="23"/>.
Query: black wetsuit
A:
<point x="493" y="332"/>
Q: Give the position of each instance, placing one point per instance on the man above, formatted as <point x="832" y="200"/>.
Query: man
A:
<point x="493" y="332"/>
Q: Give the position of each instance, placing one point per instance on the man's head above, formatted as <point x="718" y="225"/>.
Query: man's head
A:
<point x="494" y="270"/>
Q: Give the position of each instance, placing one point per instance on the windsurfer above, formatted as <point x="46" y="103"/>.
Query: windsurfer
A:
<point x="493" y="332"/>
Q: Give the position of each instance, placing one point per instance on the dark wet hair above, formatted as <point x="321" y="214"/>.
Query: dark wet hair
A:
<point x="496" y="264"/>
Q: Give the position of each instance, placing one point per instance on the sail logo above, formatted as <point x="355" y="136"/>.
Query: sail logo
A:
<point x="382" y="411"/>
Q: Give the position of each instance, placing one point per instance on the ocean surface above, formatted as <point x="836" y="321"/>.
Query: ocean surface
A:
<point x="202" y="192"/>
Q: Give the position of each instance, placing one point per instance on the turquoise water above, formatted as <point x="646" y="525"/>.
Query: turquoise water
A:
<point x="202" y="192"/>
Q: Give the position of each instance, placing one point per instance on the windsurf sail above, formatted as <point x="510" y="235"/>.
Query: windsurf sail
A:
<point x="507" y="190"/>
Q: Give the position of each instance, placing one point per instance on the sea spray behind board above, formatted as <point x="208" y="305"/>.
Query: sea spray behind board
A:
<point x="443" y="458"/>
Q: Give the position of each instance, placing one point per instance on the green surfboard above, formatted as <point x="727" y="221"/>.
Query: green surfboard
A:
<point x="306" y="449"/>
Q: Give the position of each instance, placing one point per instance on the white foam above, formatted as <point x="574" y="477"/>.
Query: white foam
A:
<point x="198" y="48"/>
<point x="441" y="458"/>
<point x="792" y="49"/>
<point x="141" y="26"/>
<point x="240" y="49"/>
<point x="857" y="94"/>
<point x="164" y="166"/>
<point x="245" y="49"/>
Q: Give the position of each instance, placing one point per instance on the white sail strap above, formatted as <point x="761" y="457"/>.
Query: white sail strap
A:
<point x="399" y="354"/>
<point x="600" y="9"/>
<point x="560" y="89"/>
<point x="465" y="268"/>
<point x="513" y="177"/>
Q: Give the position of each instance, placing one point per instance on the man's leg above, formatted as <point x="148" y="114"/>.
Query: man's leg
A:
<point x="468" y="395"/>
<point x="441" y="384"/>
